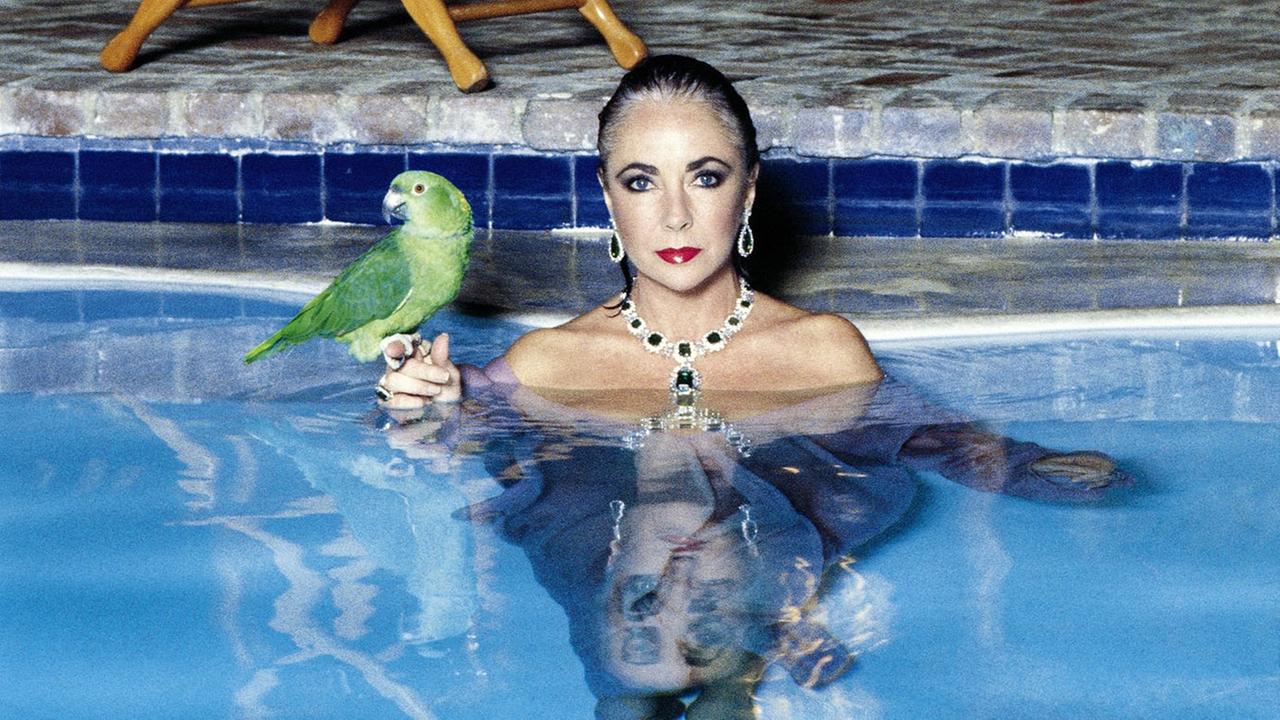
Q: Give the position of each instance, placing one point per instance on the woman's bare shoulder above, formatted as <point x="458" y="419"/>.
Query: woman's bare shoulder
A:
<point x="828" y="345"/>
<point x="537" y="358"/>
<point x="837" y="348"/>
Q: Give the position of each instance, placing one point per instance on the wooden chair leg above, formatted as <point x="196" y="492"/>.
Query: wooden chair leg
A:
<point x="627" y="47"/>
<point x="122" y="51"/>
<point x="469" y="73"/>
<point x="327" y="26"/>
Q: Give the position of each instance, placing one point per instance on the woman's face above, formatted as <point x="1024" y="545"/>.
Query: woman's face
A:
<point x="676" y="186"/>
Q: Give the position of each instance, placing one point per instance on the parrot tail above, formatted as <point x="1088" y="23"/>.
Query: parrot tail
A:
<point x="270" y="346"/>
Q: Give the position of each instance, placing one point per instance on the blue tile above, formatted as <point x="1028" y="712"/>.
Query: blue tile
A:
<point x="531" y="176"/>
<point x="970" y="182"/>
<point x="876" y="220"/>
<point x="531" y="213"/>
<point x="1209" y="225"/>
<point x="267" y="308"/>
<point x="1056" y="220"/>
<point x="117" y="185"/>
<point x="60" y="306"/>
<point x="355" y="183"/>
<point x="1238" y="186"/>
<point x="198" y="188"/>
<point x="37" y="185"/>
<point x="1147" y="224"/>
<point x="468" y="171"/>
<point x="1062" y="183"/>
<point x="192" y="305"/>
<point x="875" y="179"/>
<point x="807" y="219"/>
<point x="115" y="304"/>
<point x="592" y="211"/>
<point x="1121" y="185"/>
<point x="281" y="188"/>
<point x="805" y="181"/>
<point x="962" y="220"/>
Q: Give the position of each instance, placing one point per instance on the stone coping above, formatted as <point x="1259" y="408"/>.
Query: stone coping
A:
<point x="1160" y="79"/>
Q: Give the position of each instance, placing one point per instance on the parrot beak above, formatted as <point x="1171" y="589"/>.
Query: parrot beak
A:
<point x="393" y="206"/>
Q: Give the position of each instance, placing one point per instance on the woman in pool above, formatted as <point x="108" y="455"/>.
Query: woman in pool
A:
<point x="678" y="166"/>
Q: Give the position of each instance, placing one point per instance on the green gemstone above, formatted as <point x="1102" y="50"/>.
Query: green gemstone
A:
<point x="654" y="339"/>
<point x="714" y="338"/>
<point x="745" y="303"/>
<point x="684" y="378"/>
<point x="636" y="323"/>
<point x="684" y="349"/>
<point x="734" y="321"/>
<point x="626" y="305"/>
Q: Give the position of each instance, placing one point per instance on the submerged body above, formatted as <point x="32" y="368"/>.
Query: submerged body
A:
<point x="398" y="283"/>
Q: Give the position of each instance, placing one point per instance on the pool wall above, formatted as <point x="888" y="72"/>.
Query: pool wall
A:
<point x="519" y="188"/>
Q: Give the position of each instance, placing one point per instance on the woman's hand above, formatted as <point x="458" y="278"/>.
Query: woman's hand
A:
<point x="425" y="375"/>
<point x="1082" y="470"/>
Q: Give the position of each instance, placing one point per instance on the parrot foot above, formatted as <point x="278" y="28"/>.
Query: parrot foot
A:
<point x="409" y="342"/>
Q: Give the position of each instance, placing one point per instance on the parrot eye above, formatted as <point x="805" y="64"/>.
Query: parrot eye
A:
<point x="419" y="189"/>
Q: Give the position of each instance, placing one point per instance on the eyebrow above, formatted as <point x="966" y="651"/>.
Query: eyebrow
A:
<point x="637" y="166"/>
<point x="703" y="161"/>
<point x="643" y="167"/>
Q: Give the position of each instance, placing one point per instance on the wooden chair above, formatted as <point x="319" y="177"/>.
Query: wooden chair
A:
<point x="435" y="18"/>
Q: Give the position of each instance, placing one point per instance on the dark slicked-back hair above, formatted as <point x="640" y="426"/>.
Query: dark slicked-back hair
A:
<point x="680" y="77"/>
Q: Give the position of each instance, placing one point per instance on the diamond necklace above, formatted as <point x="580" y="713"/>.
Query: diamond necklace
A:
<point x="686" y="382"/>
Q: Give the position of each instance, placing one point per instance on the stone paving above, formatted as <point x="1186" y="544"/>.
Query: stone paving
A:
<point x="1173" y="79"/>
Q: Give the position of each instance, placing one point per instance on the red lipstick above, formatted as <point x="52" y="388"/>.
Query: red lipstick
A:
<point x="680" y="255"/>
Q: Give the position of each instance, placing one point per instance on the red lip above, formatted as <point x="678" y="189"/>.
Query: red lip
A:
<point x="683" y="543"/>
<point x="678" y="256"/>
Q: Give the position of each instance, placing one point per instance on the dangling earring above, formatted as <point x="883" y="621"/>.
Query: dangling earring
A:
<point x="749" y="529"/>
<point x="616" y="251"/>
<point x="746" y="239"/>
<point x="617" y="508"/>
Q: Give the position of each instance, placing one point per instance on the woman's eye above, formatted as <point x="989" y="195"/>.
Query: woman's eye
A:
<point x="639" y="183"/>
<point x="707" y="179"/>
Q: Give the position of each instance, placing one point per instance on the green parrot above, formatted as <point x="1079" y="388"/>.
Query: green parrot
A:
<point x="397" y="284"/>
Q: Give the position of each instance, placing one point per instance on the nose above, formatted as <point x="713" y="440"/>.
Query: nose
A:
<point x="677" y="215"/>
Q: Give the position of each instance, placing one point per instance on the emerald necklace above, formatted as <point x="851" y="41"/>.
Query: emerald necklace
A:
<point x="686" y="381"/>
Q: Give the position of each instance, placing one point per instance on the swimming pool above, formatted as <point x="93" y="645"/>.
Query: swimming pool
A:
<point x="187" y="537"/>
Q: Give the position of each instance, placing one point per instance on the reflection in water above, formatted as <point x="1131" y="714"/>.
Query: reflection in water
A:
<point x="690" y="565"/>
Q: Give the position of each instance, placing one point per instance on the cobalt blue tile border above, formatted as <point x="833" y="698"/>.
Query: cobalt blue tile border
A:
<point x="213" y="180"/>
<point x="118" y="185"/>
<point x="281" y="188"/>
<point x="37" y="185"/>
<point x="197" y="187"/>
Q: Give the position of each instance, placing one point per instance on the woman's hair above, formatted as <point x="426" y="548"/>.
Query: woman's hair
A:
<point x="678" y="77"/>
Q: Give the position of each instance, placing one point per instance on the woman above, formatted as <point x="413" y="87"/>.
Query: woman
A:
<point x="678" y="167"/>
<point x="798" y="483"/>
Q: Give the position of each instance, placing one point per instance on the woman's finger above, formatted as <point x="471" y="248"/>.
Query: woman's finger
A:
<point x="401" y="383"/>
<point x="421" y="370"/>
<point x="439" y="352"/>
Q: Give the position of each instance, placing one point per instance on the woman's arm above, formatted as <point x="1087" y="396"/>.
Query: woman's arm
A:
<point x="899" y="425"/>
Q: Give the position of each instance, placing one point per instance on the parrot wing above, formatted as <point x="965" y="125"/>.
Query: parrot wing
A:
<point x="372" y="287"/>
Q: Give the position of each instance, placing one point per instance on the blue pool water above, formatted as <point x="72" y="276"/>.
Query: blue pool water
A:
<point x="181" y="536"/>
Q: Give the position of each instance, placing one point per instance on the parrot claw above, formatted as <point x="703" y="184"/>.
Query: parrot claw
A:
<point x="409" y="342"/>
